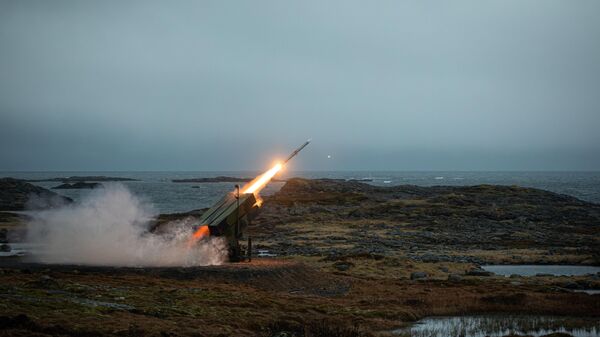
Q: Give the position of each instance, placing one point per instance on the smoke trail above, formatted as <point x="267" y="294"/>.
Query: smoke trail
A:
<point x="109" y="227"/>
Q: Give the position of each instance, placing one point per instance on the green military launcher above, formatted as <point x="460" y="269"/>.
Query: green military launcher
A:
<point x="231" y="215"/>
<point x="229" y="218"/>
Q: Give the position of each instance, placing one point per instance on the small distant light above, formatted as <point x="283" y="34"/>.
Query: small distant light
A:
<point x="328" y="156"/>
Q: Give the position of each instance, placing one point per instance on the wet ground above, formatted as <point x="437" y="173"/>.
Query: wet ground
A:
<point x="352" y="260"/>
<point x="499" y="325"/>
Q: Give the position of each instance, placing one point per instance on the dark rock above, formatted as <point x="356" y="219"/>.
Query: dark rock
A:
<point x="5" y="248"/>
<point x="507" y="299"/>
<point x="46" y="282"/>
<point x="571" y="285"/>
<point x="454" y="278"/>
<point x="343" y="265"/>
<point x="429" y="257"/>
<point x="430" y="224"/>
<point x="478" y="272"/>
<point x="418" y="275"/>
<point x="584" y="284"/>
<point x="17" y="195"/>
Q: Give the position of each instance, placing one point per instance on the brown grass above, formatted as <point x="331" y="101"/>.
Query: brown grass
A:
<point x="246" y="301"/>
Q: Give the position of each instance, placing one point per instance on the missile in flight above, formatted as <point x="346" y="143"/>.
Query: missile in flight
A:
<point x="296" y="151"/>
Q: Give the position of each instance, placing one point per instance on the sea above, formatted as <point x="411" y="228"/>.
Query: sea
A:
<point x="157" y="188"/>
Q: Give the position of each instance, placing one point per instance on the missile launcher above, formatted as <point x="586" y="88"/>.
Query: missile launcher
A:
<point x="231" y="215"/>
<point x="229" y="218"/>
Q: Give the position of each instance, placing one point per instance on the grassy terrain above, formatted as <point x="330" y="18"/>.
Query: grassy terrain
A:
<point x="285" y="295"/>
<point x="477" y="224"/>
<point x="346" y="254"/>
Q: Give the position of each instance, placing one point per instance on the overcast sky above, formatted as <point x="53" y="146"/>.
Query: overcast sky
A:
<point x="232" y="85"/>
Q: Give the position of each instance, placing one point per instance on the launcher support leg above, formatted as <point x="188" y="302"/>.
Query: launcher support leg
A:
<point x="249" y="251"/>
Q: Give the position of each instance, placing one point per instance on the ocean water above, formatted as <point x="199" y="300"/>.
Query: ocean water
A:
<point x="168" y="197"/>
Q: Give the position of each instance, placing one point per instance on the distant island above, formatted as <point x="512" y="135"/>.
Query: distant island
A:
<point x="76" y="186"/>
<point x="219" y="179"/>
<point x="17" y="195"/>
<point x="76" y="179"/>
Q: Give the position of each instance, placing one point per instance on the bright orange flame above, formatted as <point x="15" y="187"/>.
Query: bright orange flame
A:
<point x="259" y="200"/>
<point x="252" y="187"/>
<point x="257" y="184"/>
<point x="200" y="233"/>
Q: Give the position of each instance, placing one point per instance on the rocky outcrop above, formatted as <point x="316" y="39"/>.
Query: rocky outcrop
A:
<point x="417" y="275"/>
<point x="431" y="224"/>
<point x="77" y="186"/>
<point x="478" y="272"/>
<point x="17" y="195"/>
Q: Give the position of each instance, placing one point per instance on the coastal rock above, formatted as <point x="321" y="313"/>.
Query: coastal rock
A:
<point x="343" y="266"/>
<point x="571" y="285"/>
<point x="46" y="282"/>
<point x="478" y="272"/>
<point x="417" y="275"/>
<point x="5" y="248"/>
<point x="454" y="278"/>
<point x="17" y="195"/>
<point x="435" y="224"/>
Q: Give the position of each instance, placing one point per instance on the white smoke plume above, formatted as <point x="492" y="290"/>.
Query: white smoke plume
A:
<point x="109" y="227"/>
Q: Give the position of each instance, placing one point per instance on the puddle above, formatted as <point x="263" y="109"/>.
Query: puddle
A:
<point x="588" y="291"/>
<point x="265" y="253"/>
<point x="501" y="325"/>
<point x="532" y="270"/>
<point x="18" y="249"/>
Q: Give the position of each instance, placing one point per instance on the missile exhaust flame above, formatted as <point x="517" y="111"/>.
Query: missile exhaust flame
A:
<point x="261" y="181"/>
<point x="198" y="235"/>
<point x="253" y="187"/>
<point x="258" y="183"/>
